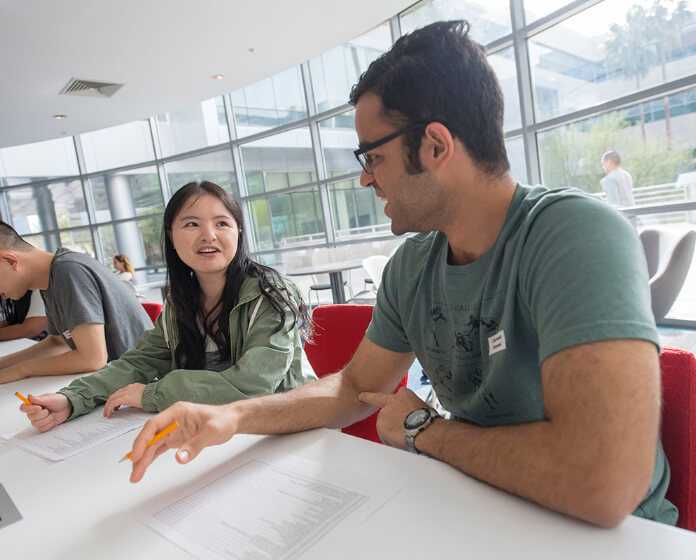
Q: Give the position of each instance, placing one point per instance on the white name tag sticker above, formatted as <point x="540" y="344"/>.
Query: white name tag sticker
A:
<point x="496" y="343"/>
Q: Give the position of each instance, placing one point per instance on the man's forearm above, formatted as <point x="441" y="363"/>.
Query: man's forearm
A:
<point x="28" y="329"/>
<point x="538" y="462"/>
<point x="50" y="346"/>
<point x="329" y="402"/>
<point x="69" y="362"/>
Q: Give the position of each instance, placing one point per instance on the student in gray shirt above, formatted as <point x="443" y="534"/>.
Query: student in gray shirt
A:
<point x="93" y="317"/>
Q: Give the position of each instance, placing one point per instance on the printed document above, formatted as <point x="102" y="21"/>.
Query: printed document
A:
<point x="78" y="435"/>
<point x="271" y="509"/>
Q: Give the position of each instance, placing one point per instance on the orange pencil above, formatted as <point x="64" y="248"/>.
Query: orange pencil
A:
<point x="158" y="436"/>
<point x="22" y="398"/>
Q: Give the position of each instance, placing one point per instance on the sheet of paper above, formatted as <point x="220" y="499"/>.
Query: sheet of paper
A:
<point x="78" y="435"/>
<point x="273" y="510"/>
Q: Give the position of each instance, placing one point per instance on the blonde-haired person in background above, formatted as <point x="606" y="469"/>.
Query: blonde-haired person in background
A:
<point x="124" y="268"/>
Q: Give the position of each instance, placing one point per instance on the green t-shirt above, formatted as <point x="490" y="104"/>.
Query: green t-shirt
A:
<point x="566" y="269"/>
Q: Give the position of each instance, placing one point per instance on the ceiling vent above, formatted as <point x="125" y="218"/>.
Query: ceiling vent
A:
<point x="89" y="88"/>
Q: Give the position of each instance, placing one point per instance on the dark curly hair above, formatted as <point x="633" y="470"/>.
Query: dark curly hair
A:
<point x="437" y="73"/>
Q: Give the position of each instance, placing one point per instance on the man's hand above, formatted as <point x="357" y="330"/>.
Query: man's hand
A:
<point x="130" y="395"/>
<point x="200" y="426"/>
<point x="394" y="409"/>
<point x="12" y="373"/>
<point x="47" y="411"/>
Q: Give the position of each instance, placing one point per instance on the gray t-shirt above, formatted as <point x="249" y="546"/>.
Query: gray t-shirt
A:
<point x="618" y="184"/>
<point x="566" y="269"/>
<point x="82" y="290"/>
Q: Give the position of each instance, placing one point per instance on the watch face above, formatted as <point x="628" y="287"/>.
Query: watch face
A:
<point x="416" y="418"/>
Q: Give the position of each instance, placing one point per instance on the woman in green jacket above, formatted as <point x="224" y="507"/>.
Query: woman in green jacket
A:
<point x="230" y="328"/>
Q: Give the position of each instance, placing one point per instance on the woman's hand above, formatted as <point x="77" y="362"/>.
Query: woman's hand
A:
<point x="130" y="395"/>
<point x="47" y="411"/>
<point x="199" y="426"/>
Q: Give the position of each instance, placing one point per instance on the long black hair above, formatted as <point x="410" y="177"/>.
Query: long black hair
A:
<point x="184" y="295"/>
<point x="15" y="310"/>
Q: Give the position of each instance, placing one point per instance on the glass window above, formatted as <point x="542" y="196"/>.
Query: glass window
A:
<point x="79" y="240"/>
<point x="140" y="240"/>
<point x="44" y="241"/>
<point x="269" y="103"/>
<point x="38" y="161"/>
<point x="503" y="64"/>
<point x="612" y="49"/>
<point x="198" y="126"/>
<point x="287" y="219"/>
<point x="47" y="207"/>
<point x="217" y="167"/>
<point x="489" y="20"/>
<point x="654" y="142"/>
<point x="515" y="153"/>
<point x="279" y="161"/>
<point x="117" y="146"/>
<point x="357" y="212"/>
<point x="339" y="140"/>
<point x="128" y="194"/>
<point x="335" y="71"/>
<point x="537" y="9"/>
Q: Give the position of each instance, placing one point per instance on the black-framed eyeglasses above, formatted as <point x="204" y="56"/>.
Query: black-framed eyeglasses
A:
<point x="365" y="160"/>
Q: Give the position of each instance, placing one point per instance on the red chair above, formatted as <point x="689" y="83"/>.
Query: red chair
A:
<point x="153" y="309"/>
<point x="679" y="430"/>
<point x="338" y="330"/>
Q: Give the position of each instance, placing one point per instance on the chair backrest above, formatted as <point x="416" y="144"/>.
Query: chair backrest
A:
<point x="666" y="284"/>
<point x="679" y="430"/>
<point x="338" y="332"/>
<point x="374" y="266"/>
<point x="651" y="246"/>
<point x="152" y="308"/>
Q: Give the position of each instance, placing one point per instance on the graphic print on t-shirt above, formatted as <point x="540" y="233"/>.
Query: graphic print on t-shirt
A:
<point x="457" y="339"/>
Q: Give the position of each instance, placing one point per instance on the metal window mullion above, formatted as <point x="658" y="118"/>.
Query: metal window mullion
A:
<point x="5" y="212"/>
<point x="525" y="91"/>
<point x="229" y="115"/>
<point x="395" y="28"/>
<point x="155" y="138"/>
<point x="318" y="153"/>
<point x="88" y="197"/>
<point x="323" y="186"/>
<point x="243" y="192"/>
<point x="165" y="187"/>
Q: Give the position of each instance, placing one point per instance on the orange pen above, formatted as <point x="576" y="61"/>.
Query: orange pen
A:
<point x="158" y="436"/>
<point x="22" y="398"/>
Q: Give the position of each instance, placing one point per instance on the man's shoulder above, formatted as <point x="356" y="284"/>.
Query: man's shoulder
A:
<point x="566" y="202"/>
<point x="411" y="261"/>
<point x="74" y="267"/>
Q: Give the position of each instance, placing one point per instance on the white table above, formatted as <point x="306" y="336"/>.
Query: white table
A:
<point x="12" y="346"/>
<point x="84" y="507"/>
<point x="335" y="272"/>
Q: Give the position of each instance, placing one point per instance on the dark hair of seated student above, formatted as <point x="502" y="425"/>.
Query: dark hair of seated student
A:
<point x="184" y="295"/>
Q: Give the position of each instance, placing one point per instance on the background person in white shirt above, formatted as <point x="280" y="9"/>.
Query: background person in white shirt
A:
<point x="617" y="183"/>
<point x="124" y="269"/>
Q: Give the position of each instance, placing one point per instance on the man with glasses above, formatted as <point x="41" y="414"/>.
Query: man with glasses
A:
<point x="528" y="309"/>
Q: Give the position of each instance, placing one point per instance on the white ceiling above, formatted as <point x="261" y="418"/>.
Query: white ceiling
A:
<point x="164" y="51"/>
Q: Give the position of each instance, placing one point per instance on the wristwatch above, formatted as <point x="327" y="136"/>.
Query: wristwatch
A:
<point x="415" y="422"/>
